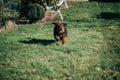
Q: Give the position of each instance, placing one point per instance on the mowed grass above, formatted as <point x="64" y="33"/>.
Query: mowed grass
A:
<point x="92" y="51"/>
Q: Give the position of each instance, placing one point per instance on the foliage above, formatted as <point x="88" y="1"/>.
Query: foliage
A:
<point x="35" y="12"/>
<point x="35" y="9"/>
<point x="1" y="10"/>
<point x="7" y="12"/>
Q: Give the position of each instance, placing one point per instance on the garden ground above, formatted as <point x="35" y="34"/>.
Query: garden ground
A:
<point x="92" y="51"/>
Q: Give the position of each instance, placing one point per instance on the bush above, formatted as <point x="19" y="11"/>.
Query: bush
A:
<point x="6" y="12"/>
<point x="1" y="10"/>
<point x="9" y="14"/>
<point x="35" y="12"/>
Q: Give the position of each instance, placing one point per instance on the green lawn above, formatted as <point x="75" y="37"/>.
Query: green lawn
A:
<point x="92" y="51"/>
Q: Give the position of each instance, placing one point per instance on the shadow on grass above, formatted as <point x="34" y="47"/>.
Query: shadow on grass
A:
<point x="106" y="0"/>
<point x="38" y="41"/>
<point x="109" y="15"/>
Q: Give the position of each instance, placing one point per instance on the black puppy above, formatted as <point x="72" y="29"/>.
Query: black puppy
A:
<point x="60" y="31"/>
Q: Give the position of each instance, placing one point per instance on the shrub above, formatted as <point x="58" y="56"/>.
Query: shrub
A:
<point x="1" y="10"/>
<point x="9" y="14"/>
<point x="6" y="12"/>
<point x="35" y="12"/>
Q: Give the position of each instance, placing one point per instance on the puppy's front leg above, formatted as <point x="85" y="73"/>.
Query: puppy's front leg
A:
<point x="57" y="38"/>
<point x="64" y="40"/>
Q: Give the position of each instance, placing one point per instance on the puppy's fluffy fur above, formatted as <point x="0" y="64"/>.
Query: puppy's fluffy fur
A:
<point x="60" y="31"/>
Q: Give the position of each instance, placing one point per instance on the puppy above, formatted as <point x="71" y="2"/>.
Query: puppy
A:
<point x="60" y="31"/>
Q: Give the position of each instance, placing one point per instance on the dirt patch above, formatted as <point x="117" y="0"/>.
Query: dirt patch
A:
<point x="1" y="28"/>
<point x="8" y="25"/>
<point x="49" y="17"/>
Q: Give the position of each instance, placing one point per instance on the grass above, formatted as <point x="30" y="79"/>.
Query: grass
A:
<point x="91" y="52"/>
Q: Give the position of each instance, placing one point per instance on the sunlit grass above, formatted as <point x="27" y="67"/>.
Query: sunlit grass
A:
<point x="91" y="52"/>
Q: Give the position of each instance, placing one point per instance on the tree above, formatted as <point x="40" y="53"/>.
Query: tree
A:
<point x="1" y="11"/>
<point x="32" y="9"/>
<point x="35" y="12"/>
<point x="35" y="9"/>
<point x="6" y="11"/>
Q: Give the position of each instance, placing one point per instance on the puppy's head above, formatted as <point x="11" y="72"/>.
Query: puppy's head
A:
<point x="60" y="26"/>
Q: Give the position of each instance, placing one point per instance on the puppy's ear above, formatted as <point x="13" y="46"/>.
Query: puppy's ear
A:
<point x="55" y="23"/>
<point x="65" y="24"/>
